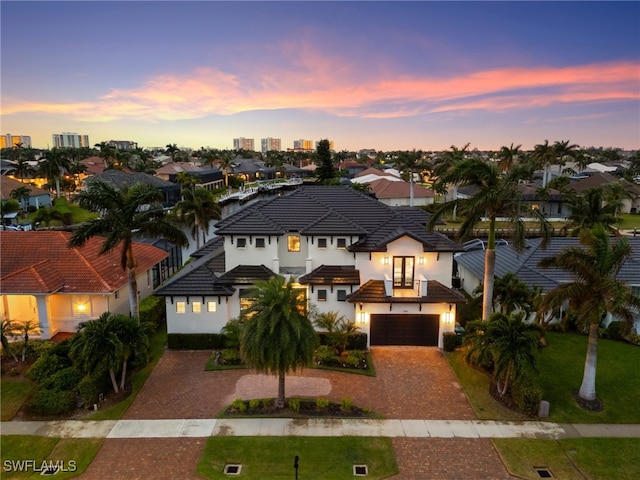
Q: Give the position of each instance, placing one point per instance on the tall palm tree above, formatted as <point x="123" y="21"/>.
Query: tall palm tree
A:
<point x="497" y="196"/>
<point x="507" y="156"/>
<point x="544" y="156"/>
<point x="23" y="169"/>
<point x="197" y="209"/>
<point x="442" y="166"/>
<point x="7" y="329"/>
<point x="172" y="150"/>
<point x="134" y="341"/>
<point x="588" y="210"/>
<point x="594" y="292"/>
<point x="278" y="336"/>
<point x="512" y="294"/>
<point x="107" y="153"/>
<point x="614" y="194"/>
<point x="125" y="213"/>
<point x="96" y="346"/>
<point x="7" y="207"/>
<point x="564" y="151"/>
<point x="24" y="329"/>
<point x="410" y="163"/>
<point x="53" y="166"/>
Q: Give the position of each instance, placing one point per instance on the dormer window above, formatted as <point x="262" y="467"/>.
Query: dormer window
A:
<point x="293" y="243"/>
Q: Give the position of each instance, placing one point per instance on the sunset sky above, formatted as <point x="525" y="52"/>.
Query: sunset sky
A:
<point x="382" y="75"/>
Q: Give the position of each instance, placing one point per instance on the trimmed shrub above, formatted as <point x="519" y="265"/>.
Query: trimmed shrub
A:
<point x="294" y="404"/>
<point x="267" y="402"/>
<point x="346" y="404"/>
<point x="324" y="355"/>
<point x="357" y="341"/>
<point x="255" y="403"/>
<point x="65" y="379"/>
<point x="353" y="359"/>
<point x="195" y="341"/>
<point x="449" y="341"/>
<point x="46" y="366"/>
<point x="230" y="356"/>
<point x="239" y="405"/>
<point x="152" y="311"/>
<point x="527" y="394"/>
<point x="322" y="403"/>
<point x="89" y="390"/>
<point x="52" y="402"/>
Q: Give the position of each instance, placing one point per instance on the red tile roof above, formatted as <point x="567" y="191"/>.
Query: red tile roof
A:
<point x="384" y="188"/>
<point x="40" y="262"/>
<point x="8" y="185"/>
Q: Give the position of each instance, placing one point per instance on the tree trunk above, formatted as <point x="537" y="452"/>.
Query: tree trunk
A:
<point x="411" y="189"/>
<point x="504" y="389"/>
<point x="133" y="283"/>
<point x="489" y="271"/>
<point x="280" y="399"/>
<point x="124" y="373"/>
<point x="588" y="387"/>
<point x="114" y="382"/>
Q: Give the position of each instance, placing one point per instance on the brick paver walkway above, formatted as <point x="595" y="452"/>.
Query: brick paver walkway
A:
<point x="411" y="383"/>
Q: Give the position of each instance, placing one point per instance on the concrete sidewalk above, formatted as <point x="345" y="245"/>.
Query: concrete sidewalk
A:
<point x="279" y="427"/>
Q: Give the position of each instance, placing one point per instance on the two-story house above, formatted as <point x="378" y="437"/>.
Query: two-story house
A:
<point x="374" y="264"/>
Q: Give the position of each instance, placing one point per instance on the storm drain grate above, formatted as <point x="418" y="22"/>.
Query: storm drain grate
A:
<point x="543" y="472"/>
<point x="232" y="469"/>
<point x="360" y="470"/>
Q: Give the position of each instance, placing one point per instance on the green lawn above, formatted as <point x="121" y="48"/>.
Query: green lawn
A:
<point x="629" y="221"/>
<point x="13" y="393"/>
<point x="75" y="454"/>
<point x="561" y="365"/>
<point x="268" y="458"/>
<point x="617" y="381"/>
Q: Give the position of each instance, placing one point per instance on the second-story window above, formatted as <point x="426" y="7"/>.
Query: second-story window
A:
<point x="259" y="242"/>
<point x="242" y="243"/>
<point x="403" y="272"/>
<point x="322" y="243"/>
<point x="293" y="243"/>
<point x="341" y="243"/>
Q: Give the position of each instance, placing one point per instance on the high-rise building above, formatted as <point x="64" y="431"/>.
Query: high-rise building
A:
<point x="122" y="144"/>
<point x="268" y="144"/>
<point x="68" y="139"/>
<point x="243" y="144"/>
<point x="303" y="145"/>
<point x="9" y="141"/>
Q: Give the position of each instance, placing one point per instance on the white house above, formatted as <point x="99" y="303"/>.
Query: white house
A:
<point x="375" y="264"/>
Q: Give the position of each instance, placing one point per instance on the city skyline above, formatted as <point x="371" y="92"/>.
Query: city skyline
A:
<point x="381" y="75"/>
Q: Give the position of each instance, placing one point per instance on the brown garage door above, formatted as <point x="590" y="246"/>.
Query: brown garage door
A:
<point x="419" y="330"/>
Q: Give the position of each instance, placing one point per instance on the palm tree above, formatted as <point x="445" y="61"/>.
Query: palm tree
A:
<point x="107" y="153"/>
<point x="338" y="329"/>
<point x="497" y="196"/>
<point x="512" y="294"/>
<point x="8" y="328"/>
<point x="186" y="181"/>
<point x="96" y="346"/>
<point x="22" y="195"/>
<point x="564" y="151"/>
<point x="45" y="215"/>
<point x="52" y="167"/>
<point x="172" y="150"/>
<point x="23" y="169"/>
<point x="409" y="163"/>
<point x="196" y="210"/>
<point x="595" y="292"/>
<point x="278" y="336"/>
<point x="7" y="207"/>
<point x="134" y="341"/>
<point x="588" y="210"/>
<point x="507" y="156"/>
<point x="544" y="156"/>
<point x="442" y="166"/>
<point x="125" y="213"/>
<point x="24" y="329"/>
<point x="614" y="194"/>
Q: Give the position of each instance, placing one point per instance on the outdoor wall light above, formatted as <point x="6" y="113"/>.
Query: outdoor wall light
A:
<point x="420" y="260"/>
<point x="386" y="260"/>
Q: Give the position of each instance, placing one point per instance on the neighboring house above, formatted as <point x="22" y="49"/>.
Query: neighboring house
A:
<point x="551" y="203"/>
<point x="210" y="178"/>
<point x="392" y="190"/>
<point x="37" y="197"/>
<point x="59" y="287"/>
<point x="117" y="178"/>
<point x="601" y="180"/>
<point x="470" y="265"/>
<point x="376" y="265"/>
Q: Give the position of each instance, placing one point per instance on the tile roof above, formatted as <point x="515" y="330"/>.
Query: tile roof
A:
<point x="197" y="278"/>
<point x="374" y="292"/>
<point x="245" y="275"/>
<point x="117" y="178"/>
<point x="333" y="210"/>
<point x="525" y="264"/>
<point x="8" y="185"/>
<point x="383" y="188"/>
<point x="28" y="267"/>
<point x="332" y="274"/>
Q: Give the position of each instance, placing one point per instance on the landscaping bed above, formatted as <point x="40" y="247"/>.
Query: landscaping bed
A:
<point x="297" y="408"/>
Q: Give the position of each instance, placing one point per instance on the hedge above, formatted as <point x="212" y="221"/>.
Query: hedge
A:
<point x="195" y="341"/>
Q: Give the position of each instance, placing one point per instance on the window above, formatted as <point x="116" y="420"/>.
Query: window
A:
<point x="293" y="243"/>
<point x="242" y="243"/>
<point x="245" y="300"/>
<point x="322" y="243"/>
<point x="181" y="307"/>
<point x="212" y="307"/>
<point x="342" y="295"/>
<point x="322" y="295"/>
<point x="635" y="290"/>
<point x="403" y="272"/>
<point x="342" y="243"/>
<point x="196" y="307"/>
<point x="260" y="243"/>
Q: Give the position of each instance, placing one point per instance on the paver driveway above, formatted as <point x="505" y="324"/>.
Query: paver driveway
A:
<point x="411" y="383"/>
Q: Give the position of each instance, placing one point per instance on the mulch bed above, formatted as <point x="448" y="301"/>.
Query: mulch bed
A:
<point x="308" y="408"/>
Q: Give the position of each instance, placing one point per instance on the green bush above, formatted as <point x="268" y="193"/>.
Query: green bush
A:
<point x="449" y="341"/>
<point x="230" y="356"/>
<point x="46" y="366"/>
<point x="89" y="390"/>
<point x="322" y="403"/>
<point x="324" y="355"/>
<point x="346" y="404"/>
<point x="255" y="403"/>
<point x="239" y="405"/>
<point x="357" y="341"/>
<point x="353" y="359"/>
<point x="65" y="379"/>
<point x="195" y="341"/>
<point x="617" y="331"/>
<point x="634" y="339"/>
<point x="267" y="402"/>
<point x="52" y="402"/>
<point x="294" y="404"/>
<point x="527" y="394"/>
<point x="152" y="311"/>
